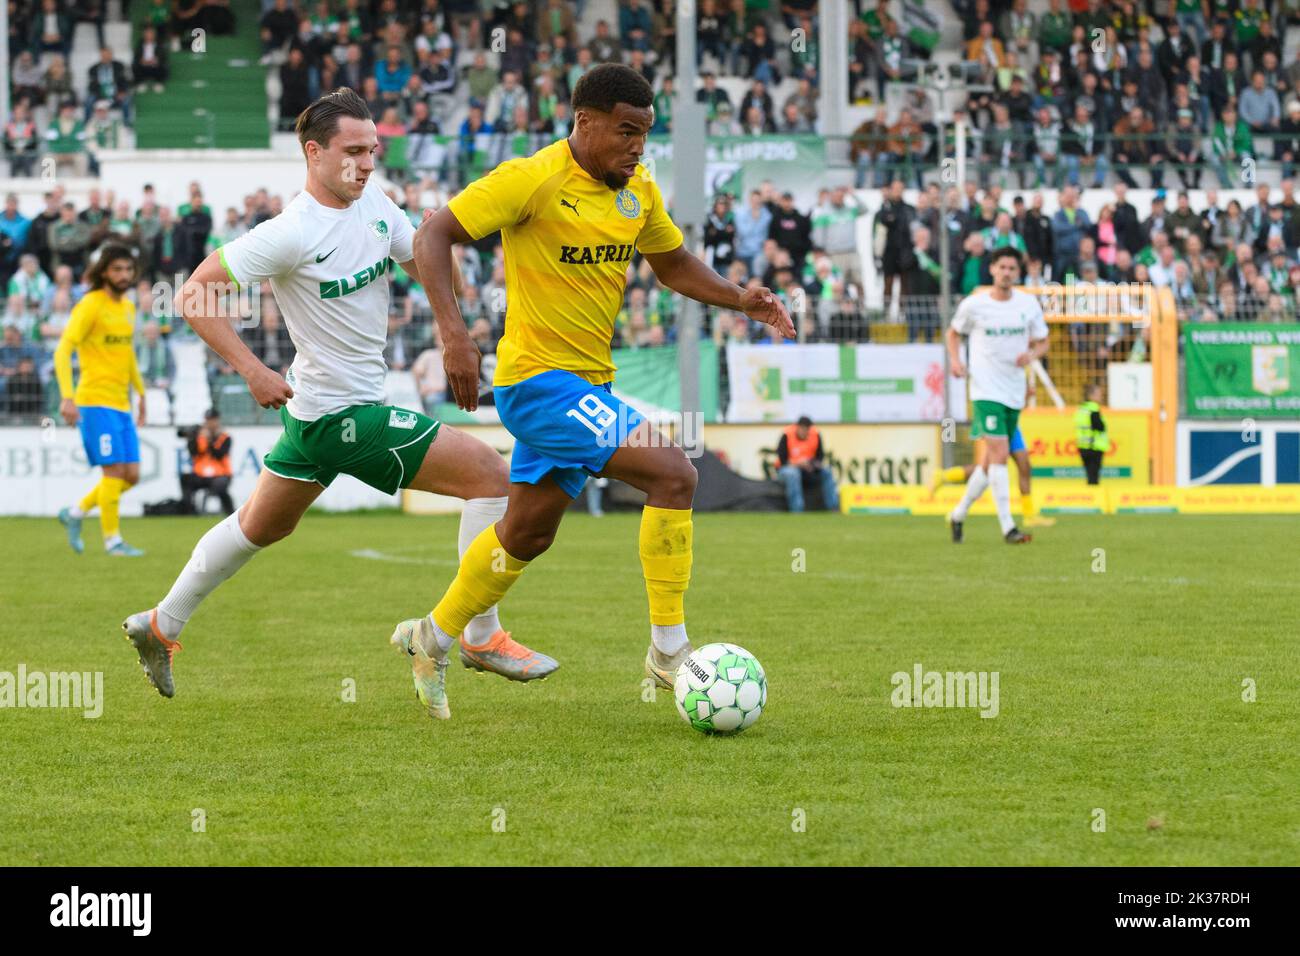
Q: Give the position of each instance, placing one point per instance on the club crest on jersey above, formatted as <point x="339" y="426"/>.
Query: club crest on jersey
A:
<point x="627" y="203"/>
<point x="379" y="227"/>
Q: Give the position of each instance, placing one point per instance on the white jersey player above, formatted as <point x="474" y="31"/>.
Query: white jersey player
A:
<point x="1007" y="333"/>
<point x="327" y="258"/>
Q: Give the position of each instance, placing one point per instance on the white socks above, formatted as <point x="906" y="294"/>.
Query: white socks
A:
<point x="668" y="639"/>
<point x="974" y="488"/>
<point x="442" y="641"/>
<point x="1001" y="483"/>
<point x="218" y="555"/>
<point x="479" y="514"/>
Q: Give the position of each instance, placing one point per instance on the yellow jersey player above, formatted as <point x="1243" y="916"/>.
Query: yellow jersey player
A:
<point x="101" y="331"/>
<point x="572" y="216"/>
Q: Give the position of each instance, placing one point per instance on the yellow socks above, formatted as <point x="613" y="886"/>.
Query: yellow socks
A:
<point x="1027" y="505"/>
<point x="485" y="575"/>
<point x="110" y="493"/>
<point x="88" y="503"/>
<point x="665" y="545"/>
<point x="955" y="475"/>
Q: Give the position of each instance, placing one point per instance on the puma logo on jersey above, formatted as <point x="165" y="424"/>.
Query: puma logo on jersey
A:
<point x="337" y="288"/>
<point x="572" y="205"/>
<point x="594" y="255"/>
<point x="327" y="255"/>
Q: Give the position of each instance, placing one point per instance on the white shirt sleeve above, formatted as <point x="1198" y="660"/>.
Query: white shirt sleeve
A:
<point x="401" y="248"/>
<point x="964" y="319"/>
<point x="272" y="249"/>
<point x="1037" y="324"/>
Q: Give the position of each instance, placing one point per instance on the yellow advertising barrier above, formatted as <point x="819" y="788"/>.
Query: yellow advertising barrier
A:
<point x="1239" y="500"/>
<point x="1060" y="498"/>
<point x="1155" y="499"/>
<point x="1049" y="436"/>
<point x="1056" y="498"/>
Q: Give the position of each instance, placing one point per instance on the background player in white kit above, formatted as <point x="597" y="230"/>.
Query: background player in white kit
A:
<point x="1007" y="332"/>
<point x="327" y="257"/>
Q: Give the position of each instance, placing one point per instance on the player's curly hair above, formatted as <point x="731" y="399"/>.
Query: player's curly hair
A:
<point x="605" y="86"/>
<point x="320" y="121"/>
<point x="101" y="260"/>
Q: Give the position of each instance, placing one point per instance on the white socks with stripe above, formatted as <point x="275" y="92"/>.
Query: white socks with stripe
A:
<point x="479" y="514"/>
<point x="218" y="555"/>
<point x="975" y="486"/>
<point x="1001" y="484"/>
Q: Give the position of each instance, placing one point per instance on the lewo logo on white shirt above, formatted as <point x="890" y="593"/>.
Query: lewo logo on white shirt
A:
<point x="329" y="269"/>
<point x="353" y="283"/>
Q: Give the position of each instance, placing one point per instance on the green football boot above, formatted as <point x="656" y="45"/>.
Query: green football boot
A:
<point x="428" y="673"/>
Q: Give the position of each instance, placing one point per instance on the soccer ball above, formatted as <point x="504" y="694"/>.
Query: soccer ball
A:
<point x="720" y="689"/>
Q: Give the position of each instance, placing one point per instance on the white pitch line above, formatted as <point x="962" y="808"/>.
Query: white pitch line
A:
<point x="370" y="554"/>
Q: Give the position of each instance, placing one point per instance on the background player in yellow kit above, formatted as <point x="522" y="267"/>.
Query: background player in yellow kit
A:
<point x="571" y="218"/>
<point x="101" y="331"/>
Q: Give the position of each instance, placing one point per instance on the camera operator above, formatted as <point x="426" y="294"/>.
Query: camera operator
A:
<point x="210" y="467"/>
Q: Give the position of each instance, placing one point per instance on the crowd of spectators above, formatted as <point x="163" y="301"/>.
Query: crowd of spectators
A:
<point x="457" y="86"/>
<point x="51" y="115"/>
<point x="1091" y="88"/>
<point x="808" y="258"/>
<point x="43" y="260"/>
<point x="1222" y="262"/>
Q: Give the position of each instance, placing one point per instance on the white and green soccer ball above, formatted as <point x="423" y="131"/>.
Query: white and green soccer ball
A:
<point x="720" y="689"/>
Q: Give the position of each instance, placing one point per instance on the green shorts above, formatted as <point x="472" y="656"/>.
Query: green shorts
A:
<point x="993" y="420"/>
<point x="378" y="444"/>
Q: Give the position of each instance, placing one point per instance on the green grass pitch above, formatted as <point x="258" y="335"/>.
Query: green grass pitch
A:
<point x="1120" y="690"/>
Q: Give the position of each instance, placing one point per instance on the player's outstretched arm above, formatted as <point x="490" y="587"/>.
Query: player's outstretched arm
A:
<point x="683" y="272"/>
<point x="433" y="261"/>
<point x="196" y="302"/>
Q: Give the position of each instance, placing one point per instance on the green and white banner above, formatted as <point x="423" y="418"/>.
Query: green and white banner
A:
<point x="737" y="163"/>
<point x="840" y="383"/>
<point x="1237" y="370"/>
<point x="648" y="378"/>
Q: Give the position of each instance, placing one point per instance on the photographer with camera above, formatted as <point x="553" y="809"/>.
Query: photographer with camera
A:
<point x="210" y="467"/>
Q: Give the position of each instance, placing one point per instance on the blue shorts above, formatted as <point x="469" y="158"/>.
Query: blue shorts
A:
<point x="108" y="435"/>
<point x="1017" y="441"/>
<point x="564" y="427"/>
